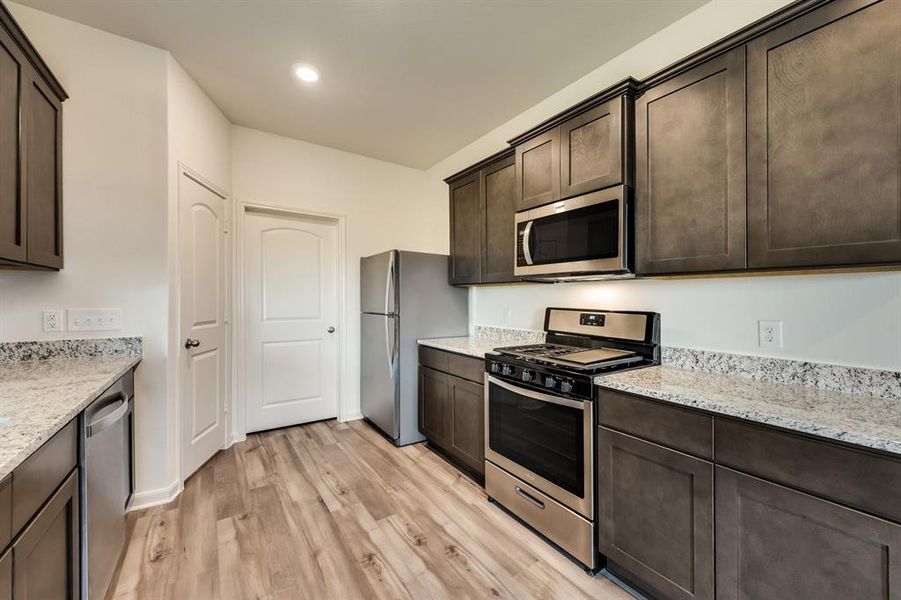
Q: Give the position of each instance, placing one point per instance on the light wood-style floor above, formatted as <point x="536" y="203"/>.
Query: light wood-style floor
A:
<point x="332" y="510"/>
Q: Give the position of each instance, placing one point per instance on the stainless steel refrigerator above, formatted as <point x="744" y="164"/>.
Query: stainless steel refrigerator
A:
<point x="404" y="296"/>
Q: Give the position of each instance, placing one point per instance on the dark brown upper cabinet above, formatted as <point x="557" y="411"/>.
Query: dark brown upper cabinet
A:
<point x="690" y="170"/>
<point x="824" y="138"/>
<point x="538" y="170"/>
<point x="482" y="204"/>
<point x="593" y="146"/>
<point x="465" y="229"/>
<point x="585" y="148"/>
<point x="499" y="205"/>
<point x="31" y="228"/>
<point x="12" y="215"/>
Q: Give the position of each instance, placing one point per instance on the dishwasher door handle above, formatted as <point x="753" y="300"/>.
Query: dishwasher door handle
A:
<point x="107" y="421"/>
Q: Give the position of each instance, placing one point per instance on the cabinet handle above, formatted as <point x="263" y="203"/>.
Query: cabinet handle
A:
<point x="529" y="497"/>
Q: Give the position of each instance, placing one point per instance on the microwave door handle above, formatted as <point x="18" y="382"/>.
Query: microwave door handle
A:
<point x="526" y="239"/>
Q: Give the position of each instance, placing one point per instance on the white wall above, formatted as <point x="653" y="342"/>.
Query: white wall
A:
<point x="114" y="181"/>
<point x="133" y="115"/>
<point x="845" y="319"/>
<point x="386" y="206"/>
<point x="199" y="139"/>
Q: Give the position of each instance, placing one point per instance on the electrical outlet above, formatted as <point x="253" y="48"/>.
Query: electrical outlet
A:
<point x="95" y="319"/>
<point x="769" y="334"/>
<point x="53" y="320"/>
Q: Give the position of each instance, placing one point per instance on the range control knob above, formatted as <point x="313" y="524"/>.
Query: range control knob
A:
<point x="495" y="367"/>
<point x="566" y="386"/>
<point x="550" y="382"/>
<point x="527" y="375"/>
<point x="507" y="370"/>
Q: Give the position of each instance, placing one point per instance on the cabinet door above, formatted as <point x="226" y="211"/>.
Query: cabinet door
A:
<point x="774" y="543"/>
<point x="690" y="170"/>
<point x="6" y="576"/>
<point x="465" y="223"/>
<point x="42" y="114"/>
<point x="467" y="410"/>
<point x="498" y="235"/>
<point x="592" y="147"/>
<point x="538" y="170"/>
<point x="656" y="515"/>
<point x="434" y="415"/>
<point x="12" y="212"/>
<point x="824" y="142"/>
<point x="46" y="555"/>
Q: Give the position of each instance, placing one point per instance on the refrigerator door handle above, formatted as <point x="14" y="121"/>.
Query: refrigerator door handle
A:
<point x="389" y="286"/>
<point x="388" y="347"/>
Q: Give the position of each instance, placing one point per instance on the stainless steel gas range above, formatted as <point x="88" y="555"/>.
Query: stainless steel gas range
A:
<point x="540" y="425"/>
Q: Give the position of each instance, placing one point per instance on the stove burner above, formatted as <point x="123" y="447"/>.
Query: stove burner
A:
<point x="571" y="356"/>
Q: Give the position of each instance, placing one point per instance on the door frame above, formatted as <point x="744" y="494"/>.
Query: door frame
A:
<point x="175" y="341"/>
<point x="239" y="418"/>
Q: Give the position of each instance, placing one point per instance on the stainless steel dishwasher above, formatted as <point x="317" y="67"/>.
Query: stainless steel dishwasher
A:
<point x="107" y="483"/>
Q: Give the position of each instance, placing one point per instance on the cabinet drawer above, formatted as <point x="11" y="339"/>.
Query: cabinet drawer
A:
<point x="433" y="358"/>
<point x="864" y="480"/>
<point x="671" y="426"/>
<point x="36" y="478"/>
<point x="465" y="367"/>
<point x="6" y="510"/>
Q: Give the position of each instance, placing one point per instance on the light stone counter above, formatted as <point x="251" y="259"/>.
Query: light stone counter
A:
<point x="485" y="339"/>
<point x="38" y="397"/>
<point x="865" y="420"/>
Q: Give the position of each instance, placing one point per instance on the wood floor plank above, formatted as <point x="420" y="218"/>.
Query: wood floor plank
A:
<point x="333" y="511"/>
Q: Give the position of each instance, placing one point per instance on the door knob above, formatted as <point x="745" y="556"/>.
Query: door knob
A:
<point x="189" y="343"/>
<point x="331" y="329"/>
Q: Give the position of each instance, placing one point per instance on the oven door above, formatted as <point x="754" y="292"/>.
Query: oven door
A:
<point x="543" y="439"/>
<point x="586" y="234"/>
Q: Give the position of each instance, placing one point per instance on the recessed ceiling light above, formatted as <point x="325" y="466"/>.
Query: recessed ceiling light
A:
<point x="306" y="73"/>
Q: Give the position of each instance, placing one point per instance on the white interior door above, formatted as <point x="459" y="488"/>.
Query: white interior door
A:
<point x="202" y="264"/>
<point x="290" y="311"/>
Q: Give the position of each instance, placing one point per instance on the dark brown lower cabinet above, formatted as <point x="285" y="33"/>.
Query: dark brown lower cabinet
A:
<point x="6" y="575"/>
<point x="466" y="401"/>
<point x="656" y="516"/>
<point x="452" y="407"/>
<point x="773" y="542"/>
<point x="46" y="555"/>
<point x="433" y="404"/>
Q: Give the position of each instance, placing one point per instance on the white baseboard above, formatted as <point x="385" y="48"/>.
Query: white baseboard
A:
<point x="351" y="417"/>
<point x="148" y="498"/>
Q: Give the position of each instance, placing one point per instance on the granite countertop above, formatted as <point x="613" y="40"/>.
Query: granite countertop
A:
<point x="471" y="346"/>
<point x="38" y="397"/>
<point x="864" y="420"/>
<point x="485" y="339"/>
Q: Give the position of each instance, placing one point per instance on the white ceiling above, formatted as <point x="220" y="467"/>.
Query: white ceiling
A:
<point x="405" y="81"/>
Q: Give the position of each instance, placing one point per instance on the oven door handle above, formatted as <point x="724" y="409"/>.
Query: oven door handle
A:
<point x="537" y="395"/>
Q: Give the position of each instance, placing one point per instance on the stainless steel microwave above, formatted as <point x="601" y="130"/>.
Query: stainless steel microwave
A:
<point x="586" y="237"/>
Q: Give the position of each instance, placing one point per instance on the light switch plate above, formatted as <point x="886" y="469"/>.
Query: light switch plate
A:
<point x="95" y="319"/>
<point x="769" y="334"/>
<point x="53" y="320"/>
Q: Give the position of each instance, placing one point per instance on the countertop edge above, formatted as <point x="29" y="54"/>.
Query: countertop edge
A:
<point x="825" y="432"/>
<point x="11" y="463"/>
<point x="436" y="343"/>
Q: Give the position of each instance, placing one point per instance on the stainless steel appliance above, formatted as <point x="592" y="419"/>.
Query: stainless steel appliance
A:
<point x="586" y="237"/>
<point x="540" y="419"/>
<point x="107" y="483"/>
<point x="404" y="296"/>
